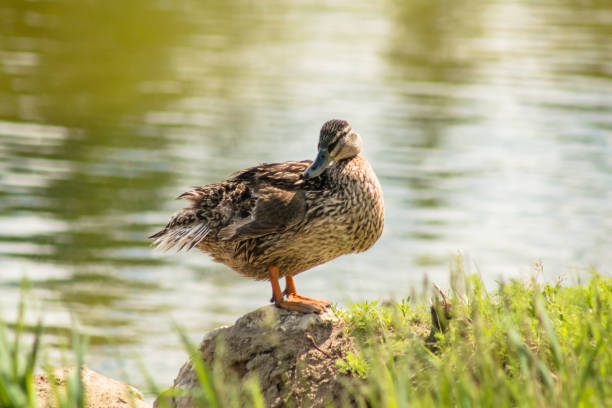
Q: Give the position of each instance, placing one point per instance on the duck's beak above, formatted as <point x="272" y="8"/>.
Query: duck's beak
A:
<point x="318" y="166"/>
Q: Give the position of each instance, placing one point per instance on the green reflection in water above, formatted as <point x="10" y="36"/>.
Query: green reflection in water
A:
<point x="94" y="69"/>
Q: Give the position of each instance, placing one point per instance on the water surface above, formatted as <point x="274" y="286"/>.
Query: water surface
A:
<point x="488" y="123"/>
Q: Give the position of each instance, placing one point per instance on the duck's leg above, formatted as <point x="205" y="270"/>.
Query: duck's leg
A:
<point x="291" y="293"/>
<point x="299" y="305"/>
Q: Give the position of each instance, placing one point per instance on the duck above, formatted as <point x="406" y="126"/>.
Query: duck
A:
<point x="276" y="220"/>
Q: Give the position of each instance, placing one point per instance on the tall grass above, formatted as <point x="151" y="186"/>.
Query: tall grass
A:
<point x="17" y="366"/>
<point x="525" y="345"/>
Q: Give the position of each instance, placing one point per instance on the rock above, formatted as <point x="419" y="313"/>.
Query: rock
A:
<point x="100" y="391"/>
<point x="293" y="355"/>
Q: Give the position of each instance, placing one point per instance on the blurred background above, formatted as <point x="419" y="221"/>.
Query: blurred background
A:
<point x="489" y="124"/>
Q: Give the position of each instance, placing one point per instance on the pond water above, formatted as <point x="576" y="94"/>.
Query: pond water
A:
<point x="489" y="124"/>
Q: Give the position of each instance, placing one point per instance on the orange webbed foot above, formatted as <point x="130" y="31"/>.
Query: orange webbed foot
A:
<point x="301" y="306"/>
<point x="293" y="301"/>
<point x="295" y="296"/>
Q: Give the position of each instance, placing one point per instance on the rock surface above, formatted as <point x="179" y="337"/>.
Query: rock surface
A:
<point x="100" y="391"/>
<point x="293" y="355"/>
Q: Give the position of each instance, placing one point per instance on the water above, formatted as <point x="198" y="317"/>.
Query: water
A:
<point x="489" y="124"/>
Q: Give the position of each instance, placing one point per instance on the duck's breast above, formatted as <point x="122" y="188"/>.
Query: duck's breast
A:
<point x="352" y="208"/>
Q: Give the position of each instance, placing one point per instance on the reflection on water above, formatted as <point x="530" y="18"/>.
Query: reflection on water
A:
<point x="487" y="122"/>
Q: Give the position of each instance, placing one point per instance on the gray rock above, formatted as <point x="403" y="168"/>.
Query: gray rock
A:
<point x="100" y="391"/>
<point x="293" y="356"/>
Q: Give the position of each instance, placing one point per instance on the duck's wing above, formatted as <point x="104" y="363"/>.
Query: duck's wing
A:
<point x="275" y="210"/>
<point x="256" y="201"/>
<point x="280" y="203"/>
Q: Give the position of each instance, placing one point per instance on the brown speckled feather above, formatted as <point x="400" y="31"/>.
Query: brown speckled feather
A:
<point x="257" y="201"/>
<point x="275" y="211"/>
<point x="269" y="215"/>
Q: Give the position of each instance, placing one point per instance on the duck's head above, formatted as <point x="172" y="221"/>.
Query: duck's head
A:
<point x="337" y="141"/>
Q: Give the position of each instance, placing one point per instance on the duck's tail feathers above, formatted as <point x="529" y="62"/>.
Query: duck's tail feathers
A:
<point x="180" y="236"/>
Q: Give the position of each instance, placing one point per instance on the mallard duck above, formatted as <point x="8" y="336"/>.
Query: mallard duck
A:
<point x="280" y="219"/>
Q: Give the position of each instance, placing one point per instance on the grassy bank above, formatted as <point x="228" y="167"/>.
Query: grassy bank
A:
<point x="522" y="344"/>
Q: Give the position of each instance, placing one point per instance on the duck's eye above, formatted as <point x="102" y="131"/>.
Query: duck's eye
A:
<point x="332" y="146"/>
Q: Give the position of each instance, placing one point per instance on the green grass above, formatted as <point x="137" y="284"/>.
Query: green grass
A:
<point x="17" y="364"/>
<point x="520" y="345"/>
